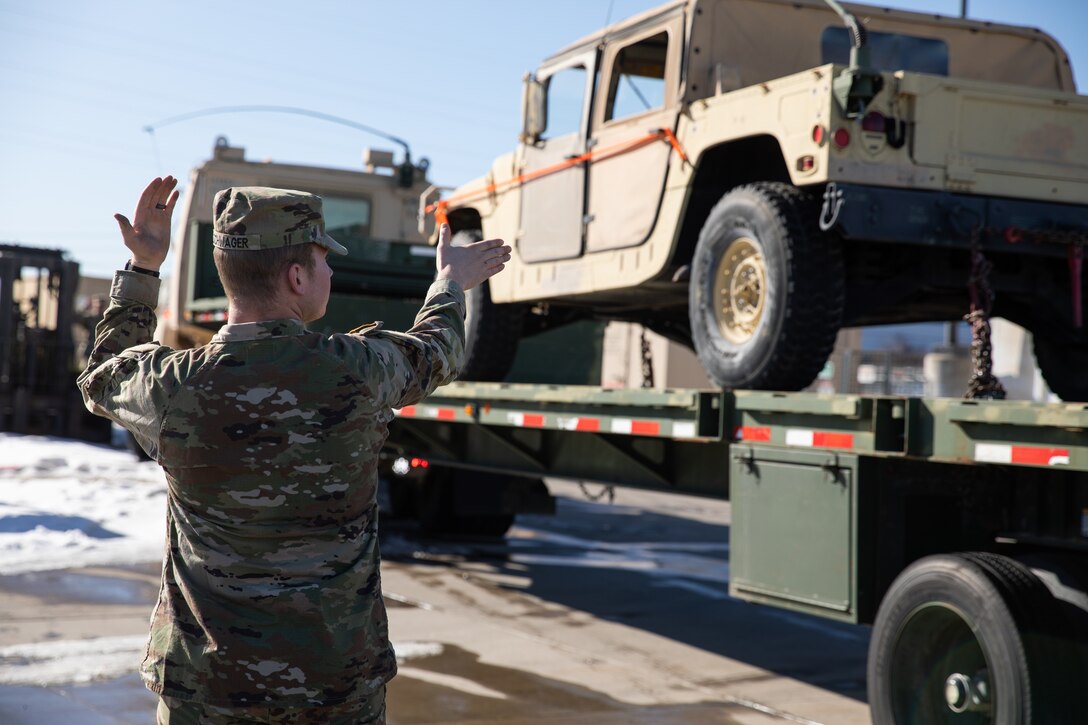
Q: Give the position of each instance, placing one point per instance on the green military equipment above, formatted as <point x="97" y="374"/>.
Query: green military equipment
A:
<point x="920" y="516"/>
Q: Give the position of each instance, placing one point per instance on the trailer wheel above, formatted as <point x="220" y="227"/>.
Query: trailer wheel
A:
<point x="767" y="290"/>
<point x="1063" y="367"/>
<point x="492" y="331"/>
<point x="966" y="638"/>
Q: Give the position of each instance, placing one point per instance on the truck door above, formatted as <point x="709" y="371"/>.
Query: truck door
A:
<point x="553" y="204"/>
<point x="638" y="97"/>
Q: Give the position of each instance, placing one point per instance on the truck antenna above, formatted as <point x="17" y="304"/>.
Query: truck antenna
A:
<point x="219" y="110"/>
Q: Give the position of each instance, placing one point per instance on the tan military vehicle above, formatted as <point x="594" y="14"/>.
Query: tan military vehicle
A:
<point x="748" y="176"/>
<point x="371" y="211"/>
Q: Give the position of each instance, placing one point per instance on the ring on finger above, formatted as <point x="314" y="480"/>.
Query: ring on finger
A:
<point x="160" y="206"/>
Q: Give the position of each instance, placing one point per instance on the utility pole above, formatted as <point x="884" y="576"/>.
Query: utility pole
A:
<point x="963" y="8"/>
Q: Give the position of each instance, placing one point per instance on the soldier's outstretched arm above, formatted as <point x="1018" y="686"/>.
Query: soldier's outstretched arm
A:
<point x="127" y="373"/>
<point x="402" y="368"/>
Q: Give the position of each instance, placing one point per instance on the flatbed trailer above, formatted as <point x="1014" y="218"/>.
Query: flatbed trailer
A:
<point x="958" y="528"/>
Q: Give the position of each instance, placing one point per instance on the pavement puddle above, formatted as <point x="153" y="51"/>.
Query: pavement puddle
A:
<point x="454" y="686"/>
<point x="95" y="586"/>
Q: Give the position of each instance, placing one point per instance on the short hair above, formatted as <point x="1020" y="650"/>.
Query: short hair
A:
<point x="252" y="274"/>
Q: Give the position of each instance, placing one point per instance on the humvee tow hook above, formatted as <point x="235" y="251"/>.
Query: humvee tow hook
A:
<point x="833" y="201"/>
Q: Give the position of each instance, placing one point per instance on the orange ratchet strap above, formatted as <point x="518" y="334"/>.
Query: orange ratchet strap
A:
<point x="439" y="208"/>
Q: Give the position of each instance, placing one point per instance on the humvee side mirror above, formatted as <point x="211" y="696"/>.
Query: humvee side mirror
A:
<point x="532" y="109"/>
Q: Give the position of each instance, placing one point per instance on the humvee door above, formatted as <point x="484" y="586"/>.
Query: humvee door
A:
<point x="553" y="204"/>
<point x="638" y="97"/>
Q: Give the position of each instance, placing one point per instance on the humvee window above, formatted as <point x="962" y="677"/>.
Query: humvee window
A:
<point x="638" y="78"/>
<point x="566" y="91"/>
<point x="889" y="51"/>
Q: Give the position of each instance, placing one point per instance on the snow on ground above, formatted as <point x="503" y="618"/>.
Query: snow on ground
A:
<point x="62" y="662"/>
<point x="67" y="504"/>
<point x="70" y="661"/>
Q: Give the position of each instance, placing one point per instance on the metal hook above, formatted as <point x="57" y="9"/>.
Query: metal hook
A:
<point x="833" y="201"/>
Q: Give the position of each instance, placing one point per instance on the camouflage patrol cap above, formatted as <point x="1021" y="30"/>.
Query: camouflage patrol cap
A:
<point x="258" y="217"/>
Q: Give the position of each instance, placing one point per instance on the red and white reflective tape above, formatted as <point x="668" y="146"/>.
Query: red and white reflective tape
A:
<point x="525" y="420"/>
<point x="590" y="425"/>
<point x="683" y="429"/>
<point x="818" y="439"/>
<point x="621" y="426"/>
<point x="627" y="426"/>
<point x="426" y="411"/>
<point x="752" y="433"/>
<point x="1024" y="455"/>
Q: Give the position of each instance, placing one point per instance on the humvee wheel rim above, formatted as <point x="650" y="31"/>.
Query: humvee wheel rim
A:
<point x="740" y="285"/>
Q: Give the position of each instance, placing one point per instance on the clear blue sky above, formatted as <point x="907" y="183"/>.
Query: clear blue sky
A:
<point x="79" y="81"/>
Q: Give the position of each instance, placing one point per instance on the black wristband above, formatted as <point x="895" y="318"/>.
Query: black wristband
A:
<point x="130" y="267"/>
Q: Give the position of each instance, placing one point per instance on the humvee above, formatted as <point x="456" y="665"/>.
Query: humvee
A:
<point x="749" y="176"/>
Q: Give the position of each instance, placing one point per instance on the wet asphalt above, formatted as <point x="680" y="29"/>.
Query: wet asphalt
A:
<point x="604" y="613"/>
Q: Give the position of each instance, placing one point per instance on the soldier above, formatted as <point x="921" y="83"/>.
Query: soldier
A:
<point x="270" y="608"/>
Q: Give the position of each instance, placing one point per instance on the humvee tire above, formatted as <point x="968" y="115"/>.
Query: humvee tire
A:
<point x="767" y="290"/>
<point x="1063" y="366"/>
<point x="492" y="331"/>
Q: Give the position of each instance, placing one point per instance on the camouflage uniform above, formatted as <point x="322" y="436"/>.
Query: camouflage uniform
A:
<point x="269" y="437"/>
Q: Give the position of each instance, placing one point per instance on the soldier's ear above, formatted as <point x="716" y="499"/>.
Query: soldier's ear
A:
<point x="294" y="278"/>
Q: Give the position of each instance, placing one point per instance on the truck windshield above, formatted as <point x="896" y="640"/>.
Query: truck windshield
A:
<point x="371" y="265"/>
<point x="889" y="51"/>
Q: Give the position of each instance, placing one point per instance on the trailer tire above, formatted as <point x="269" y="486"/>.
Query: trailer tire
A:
<point x="1063" y="366"/>
<point x="492" y="331"/>
<point x="767" y="289"/>
<point x="969" y="614"/>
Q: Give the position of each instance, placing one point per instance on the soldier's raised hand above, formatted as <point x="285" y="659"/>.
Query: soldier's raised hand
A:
<point x="469" y="265"/>
<point x="148" y="235"/>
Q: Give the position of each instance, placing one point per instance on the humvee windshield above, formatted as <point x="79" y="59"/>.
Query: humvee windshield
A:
<point x="889" y="51"/>
<point x="566" y="90"/>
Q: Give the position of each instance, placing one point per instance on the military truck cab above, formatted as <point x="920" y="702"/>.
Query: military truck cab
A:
<point x="711" y="169"/>
<point x="371" y="211"/>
